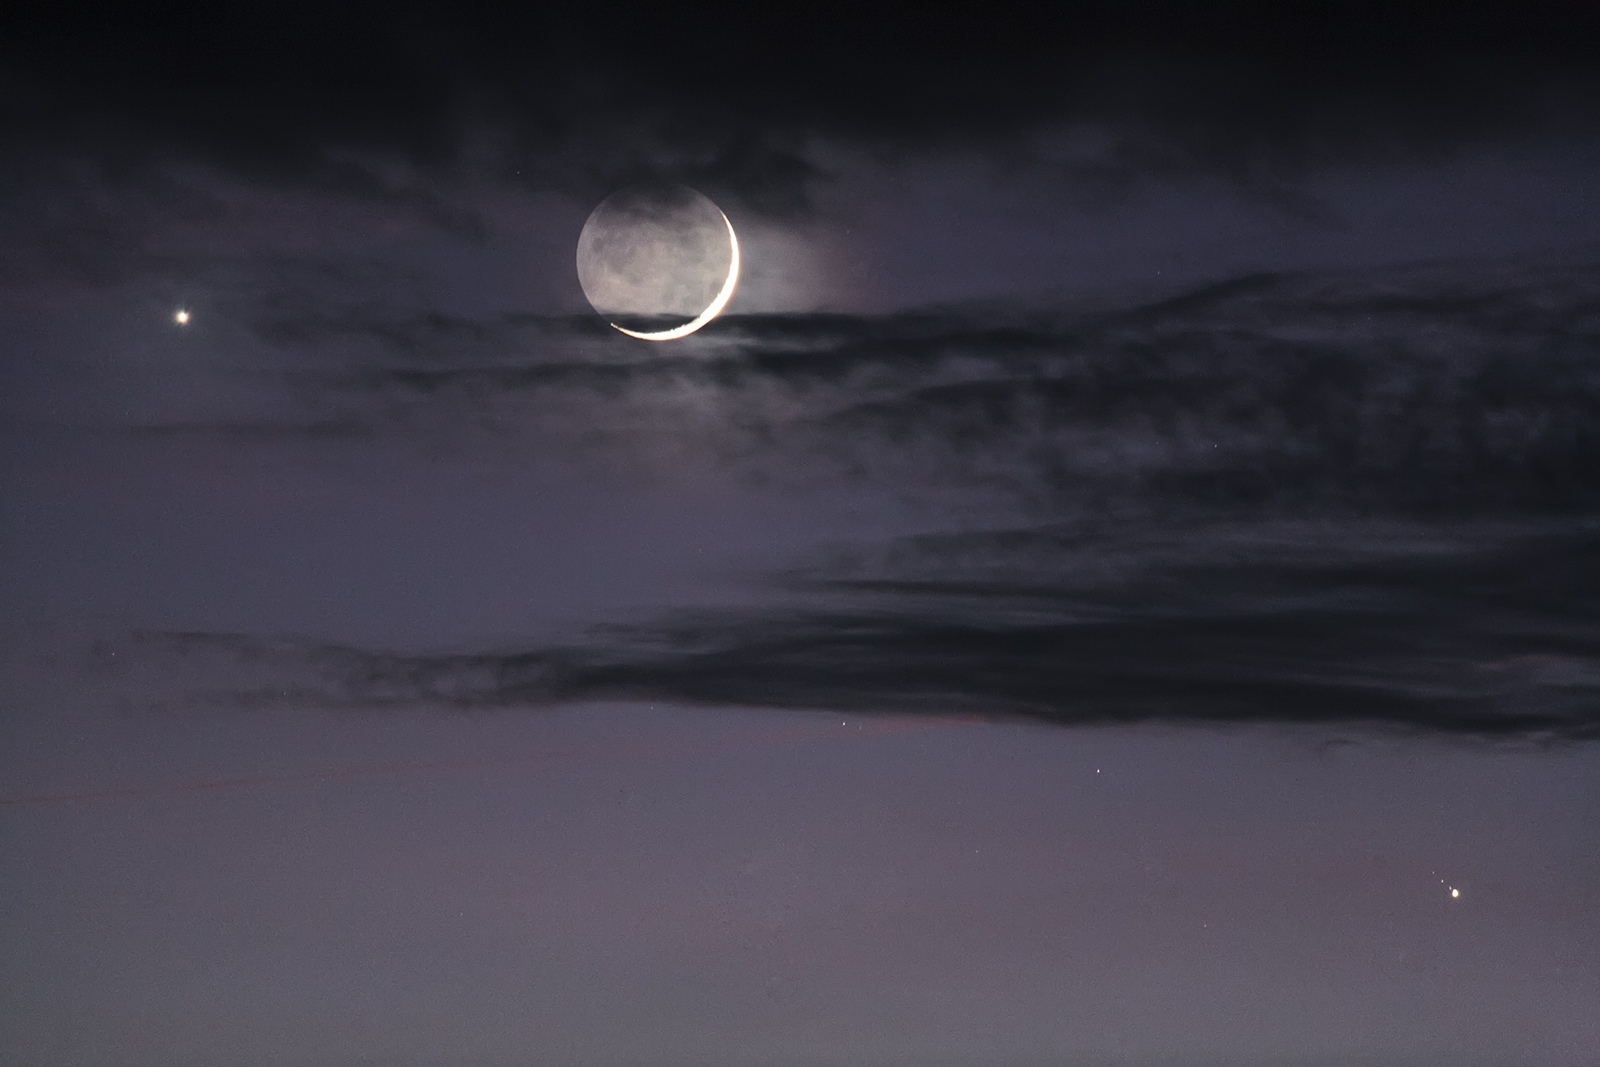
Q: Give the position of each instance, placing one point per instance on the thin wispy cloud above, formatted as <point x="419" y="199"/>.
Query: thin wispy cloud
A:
<point x="1434" y="388"/>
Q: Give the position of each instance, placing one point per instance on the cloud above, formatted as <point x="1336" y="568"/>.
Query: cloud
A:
<point x="1360" y="497"/>
<point x="1436" y="388"/>
<point x="1464" y="630"/>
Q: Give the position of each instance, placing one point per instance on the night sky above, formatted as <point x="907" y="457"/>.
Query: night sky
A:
<point x="1118" y="585"/>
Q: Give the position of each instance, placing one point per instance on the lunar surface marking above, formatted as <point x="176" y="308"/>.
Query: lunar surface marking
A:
<point x="711" y="311"/>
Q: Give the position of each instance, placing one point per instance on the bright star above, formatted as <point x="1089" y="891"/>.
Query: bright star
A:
<point x="181" y="318"/>
<point x="1454" y="892"/>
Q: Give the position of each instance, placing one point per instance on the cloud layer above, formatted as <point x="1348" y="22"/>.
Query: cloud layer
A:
<point x="1364" y="498"/>
<point x="1436" y="389"/>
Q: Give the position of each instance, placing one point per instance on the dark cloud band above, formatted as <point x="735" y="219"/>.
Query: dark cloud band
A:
<point x="1451" y="631"/>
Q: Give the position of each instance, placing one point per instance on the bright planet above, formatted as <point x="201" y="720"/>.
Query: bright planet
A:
<point x="658" y="261"/>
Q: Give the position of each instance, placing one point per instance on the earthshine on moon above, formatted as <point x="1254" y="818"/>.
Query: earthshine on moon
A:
<point x="651" y="255"/>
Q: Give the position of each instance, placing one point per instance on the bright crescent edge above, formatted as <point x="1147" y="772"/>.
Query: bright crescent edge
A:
<point x="711" y="311"/>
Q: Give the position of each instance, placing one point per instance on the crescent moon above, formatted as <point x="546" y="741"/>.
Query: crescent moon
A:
<point x="712" y="309"/>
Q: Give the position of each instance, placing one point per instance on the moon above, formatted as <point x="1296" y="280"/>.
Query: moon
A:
<point x="658" y="262"/>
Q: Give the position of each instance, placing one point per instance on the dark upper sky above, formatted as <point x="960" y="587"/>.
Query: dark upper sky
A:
<point x="735" y="94"/>
<point x="1306" y="133"/>
<point x="1126" y="553"/>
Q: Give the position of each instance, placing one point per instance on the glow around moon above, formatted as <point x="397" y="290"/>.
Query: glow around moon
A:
<point x="658" y="262"/>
